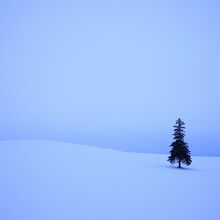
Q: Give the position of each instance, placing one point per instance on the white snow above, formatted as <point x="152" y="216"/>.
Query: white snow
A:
<point x="46" y="180"/>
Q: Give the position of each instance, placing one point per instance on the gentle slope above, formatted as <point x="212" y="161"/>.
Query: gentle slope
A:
<point x="45" y="180"/>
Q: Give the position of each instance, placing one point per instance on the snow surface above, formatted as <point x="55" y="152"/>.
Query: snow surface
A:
<point x="46" y="180"/>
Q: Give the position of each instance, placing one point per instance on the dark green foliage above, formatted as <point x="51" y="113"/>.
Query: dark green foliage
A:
<point x="179" y="152"/>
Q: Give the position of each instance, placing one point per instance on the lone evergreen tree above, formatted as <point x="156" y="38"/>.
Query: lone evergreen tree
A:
<point x="179" y="152"/>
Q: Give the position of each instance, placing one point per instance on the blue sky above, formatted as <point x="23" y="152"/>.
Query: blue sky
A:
<point x="111" y="73"/>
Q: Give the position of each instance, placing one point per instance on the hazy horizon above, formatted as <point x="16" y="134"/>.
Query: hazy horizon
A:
<point x="115" y="74"/>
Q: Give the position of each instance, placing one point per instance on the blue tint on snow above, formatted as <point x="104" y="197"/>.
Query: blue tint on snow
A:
<point x="54" y="180"/>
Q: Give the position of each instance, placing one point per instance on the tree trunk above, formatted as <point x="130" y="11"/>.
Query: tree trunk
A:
<point x="179" y="163"/>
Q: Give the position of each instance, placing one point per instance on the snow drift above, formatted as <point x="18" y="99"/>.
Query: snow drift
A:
<point x="46" y="180"/>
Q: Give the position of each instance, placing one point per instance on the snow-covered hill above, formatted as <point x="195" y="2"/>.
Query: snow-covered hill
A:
<point x="45" y="180"/>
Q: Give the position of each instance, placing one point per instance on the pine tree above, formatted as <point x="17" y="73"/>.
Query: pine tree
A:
<point x="179" y="152"/>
